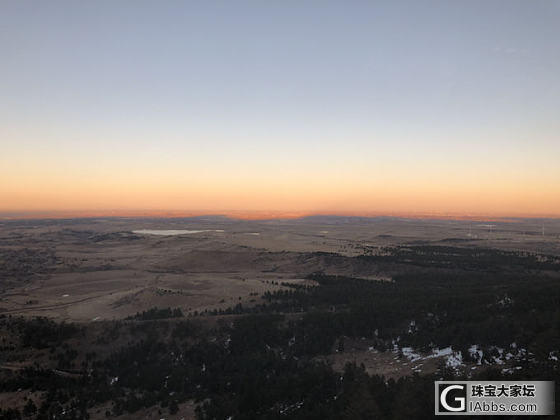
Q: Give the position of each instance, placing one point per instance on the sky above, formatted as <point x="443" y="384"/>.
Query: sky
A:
<point x="359" y="107"/>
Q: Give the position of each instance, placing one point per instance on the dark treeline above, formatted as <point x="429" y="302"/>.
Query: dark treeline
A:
<point x="157" y="313"/>
<point x="248" y="369"/>
<point x="41" y="332"/>
<point x="464" y="258"/>
<point x="445" y="309"/>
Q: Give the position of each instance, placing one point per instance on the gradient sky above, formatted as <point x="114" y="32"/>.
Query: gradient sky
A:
<point x="311" y="106"/>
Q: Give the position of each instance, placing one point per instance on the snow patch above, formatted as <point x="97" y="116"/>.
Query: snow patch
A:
<point x="455" y="360"/>
<point x="409" y="353"/>
<point x="476" y="354"/>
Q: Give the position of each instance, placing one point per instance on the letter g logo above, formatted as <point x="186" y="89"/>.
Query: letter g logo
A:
<point x="445" y="403"/>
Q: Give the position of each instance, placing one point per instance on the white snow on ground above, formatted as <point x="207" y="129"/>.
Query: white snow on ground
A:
<point x="442" y="352"/>
<point x="498" y="359"/>
<point x="476" y="353"/>
<point x="455" y="360"/>
<point x="288" y="408"/>
<point x="409" y="353"/>
<point x="511" y="370"/>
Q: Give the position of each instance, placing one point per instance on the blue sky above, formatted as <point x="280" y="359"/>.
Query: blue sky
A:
<point x="277" y="90"/>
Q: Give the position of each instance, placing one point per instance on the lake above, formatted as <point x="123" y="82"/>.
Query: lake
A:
<point x="170" y="232"/>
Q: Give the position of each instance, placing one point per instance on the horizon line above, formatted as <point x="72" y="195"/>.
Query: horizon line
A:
<point x="256" y="215"/>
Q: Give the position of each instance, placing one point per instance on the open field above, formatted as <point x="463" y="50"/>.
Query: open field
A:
<point x="94" y="269"/>
<point x="173" y="318"/>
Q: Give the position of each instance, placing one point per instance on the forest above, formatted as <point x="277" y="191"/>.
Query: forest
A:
<point x="262" y="361"/>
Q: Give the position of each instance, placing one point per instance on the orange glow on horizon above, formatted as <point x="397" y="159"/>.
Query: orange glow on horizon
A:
<point x="256" y="215"/>
<point x="254" y="201"/>
<point x="278" y="188"/>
